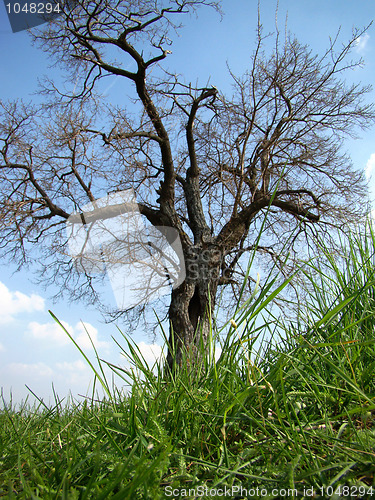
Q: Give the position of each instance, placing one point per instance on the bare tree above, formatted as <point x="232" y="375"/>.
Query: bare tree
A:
<point x="204" y="164"/>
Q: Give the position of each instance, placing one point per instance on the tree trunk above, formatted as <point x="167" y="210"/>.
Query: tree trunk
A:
<point x="192" y="306"/>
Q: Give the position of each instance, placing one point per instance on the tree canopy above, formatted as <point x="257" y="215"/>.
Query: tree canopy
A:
<point x="204" y="164"/>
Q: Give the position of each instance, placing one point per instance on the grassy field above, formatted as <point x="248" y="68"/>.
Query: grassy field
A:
<point x="293" y="421"/>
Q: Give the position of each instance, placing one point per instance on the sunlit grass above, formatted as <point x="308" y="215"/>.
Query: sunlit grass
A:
<point x="298" y="415"/>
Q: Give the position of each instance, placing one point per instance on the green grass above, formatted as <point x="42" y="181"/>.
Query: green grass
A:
<point x="297" y="415"/>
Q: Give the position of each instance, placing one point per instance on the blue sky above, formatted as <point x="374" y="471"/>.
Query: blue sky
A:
<point x="33" y="349"/>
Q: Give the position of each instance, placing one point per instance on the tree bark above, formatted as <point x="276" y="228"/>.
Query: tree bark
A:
<point x="192" y="306"/>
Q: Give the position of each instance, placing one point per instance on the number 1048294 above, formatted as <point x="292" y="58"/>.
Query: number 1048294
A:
<point x="33" y="8"/>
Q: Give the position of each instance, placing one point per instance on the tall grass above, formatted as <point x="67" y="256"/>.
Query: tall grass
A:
<point x="288" y="408"/>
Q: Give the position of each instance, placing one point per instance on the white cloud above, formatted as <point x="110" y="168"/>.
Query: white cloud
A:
<point x="361" y="42"/>
<point x="15" y="303"/>
<point x="72" y="366"/>
<point x="218" y="351"/>
<point x="75" y="373"/>
<point x="84" y="330"/>
<point x="370" y="165"/>
<point x="2" y="348"/>
<point x="31" y="370"/>
<point x="53" y="334"/>
<point x="79" y="377"/>
<point x="150" y="352"/>
<point x="65" y="376"/>
<point x="50" y="332"/>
